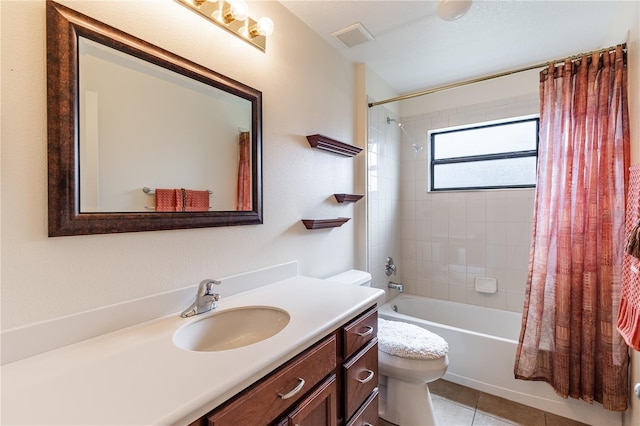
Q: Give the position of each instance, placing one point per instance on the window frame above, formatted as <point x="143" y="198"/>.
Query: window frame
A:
<point x="483" y="157"/>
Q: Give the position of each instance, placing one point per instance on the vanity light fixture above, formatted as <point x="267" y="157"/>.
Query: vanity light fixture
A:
<point x="233" y="16"/>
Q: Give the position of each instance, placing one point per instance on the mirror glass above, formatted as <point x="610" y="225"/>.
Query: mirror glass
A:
<point x="141" y="139"/>
<point x="144" y="127"/>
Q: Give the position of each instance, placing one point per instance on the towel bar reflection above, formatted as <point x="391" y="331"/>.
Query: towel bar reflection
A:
<point x="150" y="191"/>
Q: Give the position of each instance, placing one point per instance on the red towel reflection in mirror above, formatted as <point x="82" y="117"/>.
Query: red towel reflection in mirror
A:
<point x="181" y="200"/>
<point x="244" y="172"/>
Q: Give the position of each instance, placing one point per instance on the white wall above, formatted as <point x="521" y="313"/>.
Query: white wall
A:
<point x="307" y="88"/>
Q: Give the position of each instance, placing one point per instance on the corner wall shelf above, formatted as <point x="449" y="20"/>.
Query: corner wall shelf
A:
<point x="327" y="144"/>
<point x="325" y="223"/>
<point x="347" y="198"/>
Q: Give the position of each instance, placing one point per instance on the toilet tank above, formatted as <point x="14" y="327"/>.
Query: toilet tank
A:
<point x="352" y="277"/>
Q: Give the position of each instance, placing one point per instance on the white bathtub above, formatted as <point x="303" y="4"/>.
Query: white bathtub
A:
<point x="482" y="346"/>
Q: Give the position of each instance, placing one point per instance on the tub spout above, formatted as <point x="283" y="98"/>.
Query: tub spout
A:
<point x="395" y="286"/>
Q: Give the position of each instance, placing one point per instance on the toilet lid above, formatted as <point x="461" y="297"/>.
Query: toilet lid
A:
<point x="409" y="341"/>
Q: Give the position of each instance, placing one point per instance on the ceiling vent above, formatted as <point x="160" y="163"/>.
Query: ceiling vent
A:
<point x="353" y="35"/>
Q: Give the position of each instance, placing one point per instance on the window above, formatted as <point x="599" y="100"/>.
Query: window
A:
<point x="488" y="156"/>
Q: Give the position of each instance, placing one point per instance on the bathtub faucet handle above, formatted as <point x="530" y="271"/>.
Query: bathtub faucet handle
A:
<point x="389" y="267"/>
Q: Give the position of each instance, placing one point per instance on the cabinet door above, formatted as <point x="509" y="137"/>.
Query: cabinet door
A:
<point x="277" y="393"/>
<point x="319" y="408"/>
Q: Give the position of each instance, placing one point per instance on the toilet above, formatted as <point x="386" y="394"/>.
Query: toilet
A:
<point x="409" y="357"/>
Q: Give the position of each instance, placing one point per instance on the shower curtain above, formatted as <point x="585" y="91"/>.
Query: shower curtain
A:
<point x="568" y="336"/>
<point x="244" y="172"/>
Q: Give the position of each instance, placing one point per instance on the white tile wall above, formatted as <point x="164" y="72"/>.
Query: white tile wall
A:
<point x="449" y="238"/>
<point x="388" y="180"/>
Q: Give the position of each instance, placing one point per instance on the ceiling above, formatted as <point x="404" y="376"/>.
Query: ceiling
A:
<point x="414" y="49"/>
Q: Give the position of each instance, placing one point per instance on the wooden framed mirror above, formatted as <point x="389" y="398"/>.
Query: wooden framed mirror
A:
<point x="130" y="123"/>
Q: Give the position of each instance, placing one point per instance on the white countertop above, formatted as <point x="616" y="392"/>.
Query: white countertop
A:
<point x="137" y="376"/>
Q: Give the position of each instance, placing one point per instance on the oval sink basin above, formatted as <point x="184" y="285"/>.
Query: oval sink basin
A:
<point x="231" y="329"/>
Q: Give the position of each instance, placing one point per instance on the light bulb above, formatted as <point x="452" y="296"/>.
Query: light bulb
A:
<point x="239" y="9"/>
<point x="450" y="10"/>
<point x="264" y="27"/>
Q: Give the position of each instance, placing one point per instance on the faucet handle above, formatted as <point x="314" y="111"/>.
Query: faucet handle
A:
<point x="206" y="287"/>
<point x="389" y="267"/>
<point x="205" y="299"/>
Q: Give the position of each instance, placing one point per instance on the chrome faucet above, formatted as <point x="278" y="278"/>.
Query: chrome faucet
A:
<point x="205" y="299"/>
<point x="395" y="286"/>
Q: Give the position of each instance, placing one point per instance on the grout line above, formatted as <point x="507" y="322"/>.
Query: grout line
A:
<point x="473" y="419"/>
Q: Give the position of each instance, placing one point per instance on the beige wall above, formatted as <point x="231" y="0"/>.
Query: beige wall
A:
<point x="307" y="88"/>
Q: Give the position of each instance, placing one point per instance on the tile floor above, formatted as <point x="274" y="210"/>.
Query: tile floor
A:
<point x="457" y="405"/>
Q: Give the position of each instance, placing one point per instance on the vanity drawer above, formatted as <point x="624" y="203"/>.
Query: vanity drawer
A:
<point x="360" y="377"/>
<point x="367" y="415"/>
<point x="263" y="402"/>
<point x="359" y="332"/>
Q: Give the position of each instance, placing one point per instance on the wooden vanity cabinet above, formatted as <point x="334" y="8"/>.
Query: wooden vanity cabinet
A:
<point x="360" y="370"/>
<point x="367" y="415"/>
<point x="332" y="383"/>
<point x="267" y="400"/>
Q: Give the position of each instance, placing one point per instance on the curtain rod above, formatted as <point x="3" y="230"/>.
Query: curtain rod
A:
<point x="490" y="77"/>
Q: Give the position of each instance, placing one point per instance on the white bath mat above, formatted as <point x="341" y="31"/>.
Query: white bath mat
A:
<point x="409" y="341"/>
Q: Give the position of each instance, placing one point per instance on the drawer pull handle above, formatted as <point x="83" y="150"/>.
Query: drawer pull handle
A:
<point x="367" y="424"/>
<point x="366" y="333"/>
<point x="368" y="378"/>
<point x="294" y="391"/>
